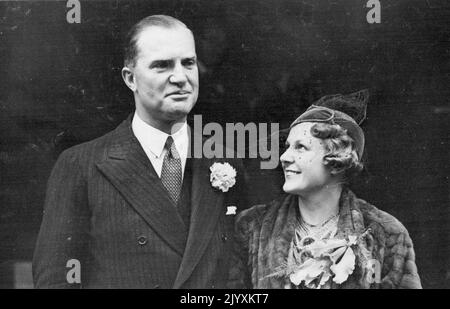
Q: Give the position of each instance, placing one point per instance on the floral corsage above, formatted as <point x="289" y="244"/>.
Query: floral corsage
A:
<point x="223" y="176"/>
<point x="316" y="263"/>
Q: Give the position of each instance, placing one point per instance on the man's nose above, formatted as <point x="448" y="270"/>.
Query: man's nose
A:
<point x="178" y="75"/>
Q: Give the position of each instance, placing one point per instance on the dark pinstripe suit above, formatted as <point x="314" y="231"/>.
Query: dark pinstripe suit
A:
<point x="106" y="207"/>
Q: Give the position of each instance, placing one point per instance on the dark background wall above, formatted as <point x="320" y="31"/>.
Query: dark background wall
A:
<point x="261" y="61"/>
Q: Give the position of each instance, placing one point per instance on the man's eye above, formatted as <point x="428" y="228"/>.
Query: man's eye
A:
<point x="160" y="65"/>
<point x="189" y="62"/>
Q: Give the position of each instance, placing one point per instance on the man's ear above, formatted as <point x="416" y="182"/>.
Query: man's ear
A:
<point x="128" y="78"/>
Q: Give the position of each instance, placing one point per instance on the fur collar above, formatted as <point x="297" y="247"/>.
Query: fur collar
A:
<point x="277" y="231"/>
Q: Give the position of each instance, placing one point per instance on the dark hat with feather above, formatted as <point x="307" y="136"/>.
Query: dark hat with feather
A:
<point x="348" y="111"/>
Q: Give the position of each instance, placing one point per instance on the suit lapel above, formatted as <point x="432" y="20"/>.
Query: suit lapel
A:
<point x="206" y="207"/>
<point x="132" y="174"/>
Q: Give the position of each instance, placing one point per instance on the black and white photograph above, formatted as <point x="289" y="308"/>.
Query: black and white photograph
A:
<point x="224" y="145"/>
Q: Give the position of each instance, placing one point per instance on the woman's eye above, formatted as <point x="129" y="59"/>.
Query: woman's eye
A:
<point x="300" y="147"/>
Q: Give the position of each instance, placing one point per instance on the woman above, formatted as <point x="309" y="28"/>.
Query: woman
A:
<point x="320" y="235"/>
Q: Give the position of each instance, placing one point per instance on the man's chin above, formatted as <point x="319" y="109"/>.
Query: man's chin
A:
<point x="177" y="114"/>
<point x="179" y="109"/>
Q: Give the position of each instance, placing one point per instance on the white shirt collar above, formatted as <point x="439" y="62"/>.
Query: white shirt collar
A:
<point x="154" y="140"/>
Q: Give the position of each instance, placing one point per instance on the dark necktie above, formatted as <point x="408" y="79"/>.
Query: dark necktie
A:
<point x="171" y="175"/>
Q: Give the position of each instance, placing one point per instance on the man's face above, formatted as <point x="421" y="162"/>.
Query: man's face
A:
<point x="302" y="162"/>
<point x="165" y="76"/>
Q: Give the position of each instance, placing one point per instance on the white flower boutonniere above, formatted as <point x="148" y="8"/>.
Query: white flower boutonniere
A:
<point x="223" y="176"/>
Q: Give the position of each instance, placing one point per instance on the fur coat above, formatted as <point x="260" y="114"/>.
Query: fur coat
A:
<point x="264" y="234"/>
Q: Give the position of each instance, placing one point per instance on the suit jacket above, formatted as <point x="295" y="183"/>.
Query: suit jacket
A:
<point x="264" y="234"/>
<point x="107" y="208"/>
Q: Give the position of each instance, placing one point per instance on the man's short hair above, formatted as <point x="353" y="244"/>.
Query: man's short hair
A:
<point x="131" y="49"/>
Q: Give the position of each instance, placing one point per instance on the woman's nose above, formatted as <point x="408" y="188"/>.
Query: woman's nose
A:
<point x="286" y="157"/>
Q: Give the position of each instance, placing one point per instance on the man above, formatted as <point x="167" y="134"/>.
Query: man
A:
<point x="131" y="209"/>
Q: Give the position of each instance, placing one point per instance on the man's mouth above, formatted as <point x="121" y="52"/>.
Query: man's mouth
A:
<point x="291" y="172"/>
<point x="179" y="93"/>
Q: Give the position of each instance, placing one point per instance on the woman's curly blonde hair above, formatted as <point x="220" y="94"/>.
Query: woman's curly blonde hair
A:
<point x="341" y="154"/>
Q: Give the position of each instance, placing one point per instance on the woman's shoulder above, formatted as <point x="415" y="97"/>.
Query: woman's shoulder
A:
<point x="375" y="216"/>
<point x="253" y="217"/>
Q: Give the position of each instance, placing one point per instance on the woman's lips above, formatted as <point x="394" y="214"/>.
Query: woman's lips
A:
<point x="291" y="172"/>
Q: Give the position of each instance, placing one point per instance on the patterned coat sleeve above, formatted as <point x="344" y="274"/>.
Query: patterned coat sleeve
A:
<point x="400" y="258"/>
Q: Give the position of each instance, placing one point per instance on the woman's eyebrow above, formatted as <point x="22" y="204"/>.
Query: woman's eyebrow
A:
<point x="296" y="142"/>
<point x="299" y="141"/>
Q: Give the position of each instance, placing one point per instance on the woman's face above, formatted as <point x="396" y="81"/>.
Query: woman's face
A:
<point x="302" y="162"/>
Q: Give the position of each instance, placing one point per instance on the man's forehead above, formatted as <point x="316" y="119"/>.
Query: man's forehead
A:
<point x="153" y="36"/>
